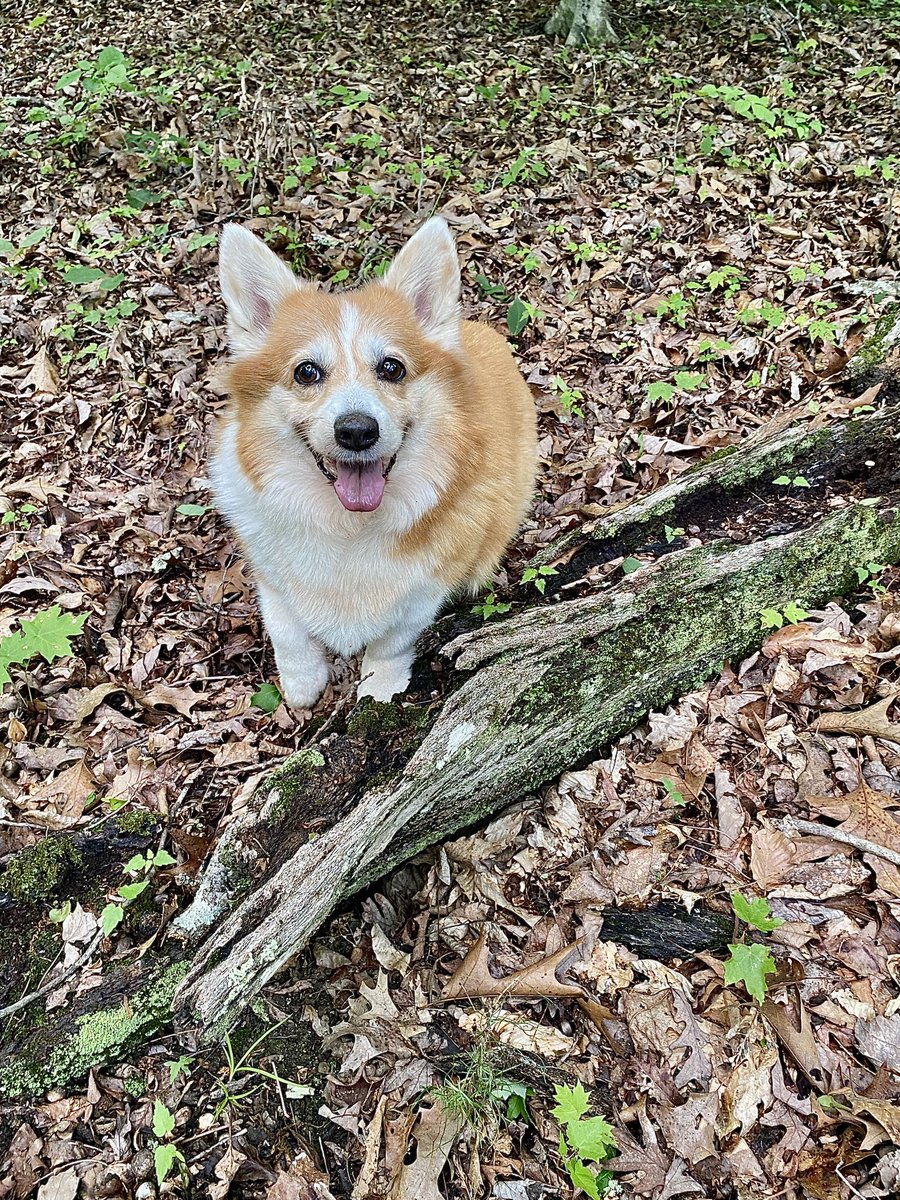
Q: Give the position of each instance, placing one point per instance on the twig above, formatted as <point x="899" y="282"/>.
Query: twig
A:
<point x="47" y="987"/>
<point x="791" y="825"/>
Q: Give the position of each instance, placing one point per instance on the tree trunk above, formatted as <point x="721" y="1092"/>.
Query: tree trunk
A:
<point x="583" y="22"/>
<point x="527" y="697"/>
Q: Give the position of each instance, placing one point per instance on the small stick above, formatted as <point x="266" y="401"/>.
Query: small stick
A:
<point x="791" y="825"/>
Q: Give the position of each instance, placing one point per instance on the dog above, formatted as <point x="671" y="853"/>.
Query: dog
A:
<point x="377" y="457"/>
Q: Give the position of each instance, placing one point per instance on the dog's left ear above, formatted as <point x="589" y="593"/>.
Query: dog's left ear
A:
<point x="426" y="272"/>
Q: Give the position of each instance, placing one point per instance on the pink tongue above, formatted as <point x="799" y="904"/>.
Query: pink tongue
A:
<point x="360" y="488"/>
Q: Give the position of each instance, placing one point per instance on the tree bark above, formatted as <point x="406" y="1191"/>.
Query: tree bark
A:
<point x="583" y="22"/>
<point x="525" y="698"/>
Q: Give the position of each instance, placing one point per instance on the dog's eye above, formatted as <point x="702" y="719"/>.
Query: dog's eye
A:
<point x="308" y="373"/>
<point x="391" y="369"/>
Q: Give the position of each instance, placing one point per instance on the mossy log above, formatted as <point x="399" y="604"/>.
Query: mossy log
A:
<point x="502" y="708"/>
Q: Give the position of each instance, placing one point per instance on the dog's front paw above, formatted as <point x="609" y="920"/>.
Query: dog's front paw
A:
<point x="383" y="680"/>
<point x="302" y="688"/>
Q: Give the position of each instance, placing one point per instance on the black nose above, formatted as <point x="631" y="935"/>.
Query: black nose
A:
<point x="356" y="431"/>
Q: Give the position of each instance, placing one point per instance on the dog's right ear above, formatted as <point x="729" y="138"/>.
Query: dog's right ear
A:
<point x="254" y="282"/>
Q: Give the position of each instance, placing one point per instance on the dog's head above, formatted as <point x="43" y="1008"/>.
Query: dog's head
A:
<point x="337" y="393"/>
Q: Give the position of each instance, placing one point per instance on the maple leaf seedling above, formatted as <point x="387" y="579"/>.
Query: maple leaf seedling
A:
<point x="749" y="965"/>
<point x="583" y="1139"/>
<point x="755" y="912"/>
<point x="48" y="634"/>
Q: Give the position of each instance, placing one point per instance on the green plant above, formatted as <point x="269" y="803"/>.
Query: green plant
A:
<point x="751" y="963"/>
<point x="672" y="532"/>
<point x="527" y="256"/>
<point x="774" y="120"/>
<point x="267" y="698"/>
<point x="676" y="796"/>
<point x="709" y="349"/>
<point x="526" y="166"/>
<point x="243" y="1079"/>
<point x="583" y="1140"/>
<point x="519" y="314"/>
<point x="676" y="306"/>
<point x="92" y="83"/>
<point x="792" y="481"/>
<point x="726" y="279"/>
<point x="166" y="1154"/>
<point x="569" y="398"/>
<point x="538" y="576"/>
<point x="493" y="291"/>
<point x="178" y="1067"/>
<point x="589" y="251"/>
<point x="772" y="618"/>
<point x="482" y="1096"/>
<point x="48" y="634"/>
<point x="140" y="864"/>
<point x="490" y="606"/>
<point x="303" y="167"/>
<point x="763" y="311"/>
<point x="869" y="573"/>
<point x="755" y="912"/>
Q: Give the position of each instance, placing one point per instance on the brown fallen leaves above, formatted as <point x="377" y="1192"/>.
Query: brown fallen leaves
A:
<point x="109" y="439"/>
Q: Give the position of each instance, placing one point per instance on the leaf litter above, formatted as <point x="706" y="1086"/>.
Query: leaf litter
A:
<point x="690" y="234"/>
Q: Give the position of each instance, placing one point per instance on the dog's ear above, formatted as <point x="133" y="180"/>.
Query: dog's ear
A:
<point x="426" y="272"/>
<point x="254" y="281"/>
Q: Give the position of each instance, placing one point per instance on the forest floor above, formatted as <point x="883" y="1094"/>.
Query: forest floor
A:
<point x="685" y="235"/>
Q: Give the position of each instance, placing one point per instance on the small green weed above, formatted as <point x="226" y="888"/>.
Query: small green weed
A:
<point x="569" y="398"/>
<point x="538" y="576"/>
<point x="166" y="1154"/>
<point x="490" y="607"/>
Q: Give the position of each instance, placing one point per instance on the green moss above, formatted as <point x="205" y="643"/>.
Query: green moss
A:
<point x="288" y="780"/>
<point x="139" y="821"/>
<point x="36" y="872"/>
<point x="383" y="716"/>
<point x="874" y="351"/>
<point x="135" y="1086"/>
<point x="98" y="1038"/>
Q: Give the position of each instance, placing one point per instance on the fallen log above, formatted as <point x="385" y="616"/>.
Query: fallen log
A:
<point x="514" y="702"/>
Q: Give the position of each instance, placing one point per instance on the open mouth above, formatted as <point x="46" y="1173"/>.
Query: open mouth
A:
<point x="358" y="485"/>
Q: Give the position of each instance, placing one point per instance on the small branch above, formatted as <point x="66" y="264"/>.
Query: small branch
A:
<point x="790" y="825"/>
<point x="52" y="984"/>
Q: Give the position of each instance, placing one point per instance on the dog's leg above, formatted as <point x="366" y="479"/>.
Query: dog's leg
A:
<point x="301" y="661"/>
<point x="387" y="662"/>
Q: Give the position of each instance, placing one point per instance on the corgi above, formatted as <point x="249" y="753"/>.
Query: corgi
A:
<point x="377" y="457"/>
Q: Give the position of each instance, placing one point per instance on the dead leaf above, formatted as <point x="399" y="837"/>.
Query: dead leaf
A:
<point x="520" y="1032"/>
<point x="771" y="856"/>
<point x="61" y="799"/>
<point x="181" y="699"/>
<point x="879" y="1040"/>
<point x="226" y="1169"/>
<point x="63" y="1186"/>
<point x="872" y="721"/>
<point x="472" y="978"/>
<point x="435" y="1133"/>
<point x="43" y="376"/>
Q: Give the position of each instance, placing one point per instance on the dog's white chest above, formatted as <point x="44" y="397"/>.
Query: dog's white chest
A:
<point x="339" y="573"/>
